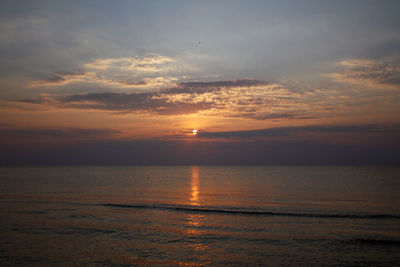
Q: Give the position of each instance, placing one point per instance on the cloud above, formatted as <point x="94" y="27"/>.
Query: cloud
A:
<point x="153" y="88"/>
<point x="60" y="79"/>
<point x="290" y="131"/>
<point x="243" y="98"/>
<point x="378" y="74"/>
<point x="32" y="135"/>
<point x="283" y="115"/>
<point x="144" y="102"/>
<point x="147" y="72"/>
<point x="135" y="64"/>
<point x="238" y="98"/>
<point x="225" y="84"/>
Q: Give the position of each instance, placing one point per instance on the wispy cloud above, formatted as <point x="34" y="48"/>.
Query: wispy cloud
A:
<point x="224" y="84"/>
<point x="144" y="102"/>
<point x="59" y="79"/>
<point x="239" y="98"/>
<point x="183" y="99"/>
<point x="147" y="72"/>
<point x="135" y="64"/>
<point x="244" y="98"/>
<point x="378" y="74"/>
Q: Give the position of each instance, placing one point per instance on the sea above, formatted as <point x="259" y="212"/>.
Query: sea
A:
<point x="200" y="216"/>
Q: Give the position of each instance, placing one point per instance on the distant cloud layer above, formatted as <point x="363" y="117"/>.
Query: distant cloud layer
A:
<point x="246" y="98"/>
<point x="32" y="135"/>
<point x="380" y="74"/>
<point x="289" y="131"/>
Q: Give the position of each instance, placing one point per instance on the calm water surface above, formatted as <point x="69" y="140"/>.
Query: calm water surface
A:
<point x="198" y="215"/>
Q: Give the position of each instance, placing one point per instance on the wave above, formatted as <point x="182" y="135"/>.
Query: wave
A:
<point x="250" y="212"/>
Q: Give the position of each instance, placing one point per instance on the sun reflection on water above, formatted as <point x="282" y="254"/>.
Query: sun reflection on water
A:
<point x="194" y="222"/>
<point x="194" y="232"/>
<point x="194" y="200"/>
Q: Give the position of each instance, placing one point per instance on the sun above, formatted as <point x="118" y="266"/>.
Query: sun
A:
<point x="194" y="132"/>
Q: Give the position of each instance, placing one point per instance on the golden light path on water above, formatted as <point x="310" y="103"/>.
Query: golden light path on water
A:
<point x="194" y="200"/>
<point x="195" y="221"/>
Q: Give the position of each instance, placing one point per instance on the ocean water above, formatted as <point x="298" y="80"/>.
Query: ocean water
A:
<point x="200" y="215"/>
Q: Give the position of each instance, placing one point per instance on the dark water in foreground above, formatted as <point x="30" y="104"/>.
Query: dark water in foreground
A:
<point x="195" y="215"/>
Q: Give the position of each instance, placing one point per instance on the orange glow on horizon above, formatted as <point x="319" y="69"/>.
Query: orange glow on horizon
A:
<point x="194" y="132"/>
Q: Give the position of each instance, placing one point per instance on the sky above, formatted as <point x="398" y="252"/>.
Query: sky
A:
<point x="262" y="82"/>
